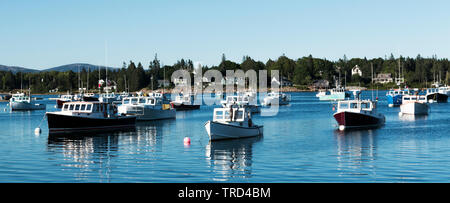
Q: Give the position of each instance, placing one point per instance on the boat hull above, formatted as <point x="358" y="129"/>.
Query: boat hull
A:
<point x="24" y="106"/>
<point x="220" y="131"/>
<point x="358" y="120"/>
<point x="437" y="97"/>
<point x="414" y="108"/>
<point x="183" y="107"/>
<point x="58" y="123"/>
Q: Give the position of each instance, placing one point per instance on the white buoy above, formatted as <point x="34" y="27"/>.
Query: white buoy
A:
<point x="400" y="113"/>
<point x="341" y="127"/>
<point x="37" y="131"/>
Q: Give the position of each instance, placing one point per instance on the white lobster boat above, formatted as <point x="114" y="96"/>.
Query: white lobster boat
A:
<point x="414" y="105"/>
<point x="241" y="100"/>
<point x="146" y="108"/>
<point x="23" y="102"/>
<point x="232" y="123"/>
<point x="184" y="102"/>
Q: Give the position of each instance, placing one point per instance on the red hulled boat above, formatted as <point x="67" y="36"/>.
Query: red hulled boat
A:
<point x="358" y="114"/>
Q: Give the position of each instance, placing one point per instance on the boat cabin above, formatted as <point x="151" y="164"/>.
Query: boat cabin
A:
<point x="414" y="98"/>
<point x="337" y="90"/>
<point x="155" y="94"/>
<point x="237" y="100"/>
<point x="88" y="108"/>
<point x="432" y="91"/>
<point x="183" y="99"/>
<point x="398" y="92"/>
<point x="147" y="102"/>
<point x="66" y="97"/>
<point x="224" y="115"/>
<point x="355" y="105"/>
<point x="20" y="97"/>
<point x="139" y="101"/>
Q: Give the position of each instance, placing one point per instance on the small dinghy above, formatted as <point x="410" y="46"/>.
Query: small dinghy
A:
<point x="231" y="123"/>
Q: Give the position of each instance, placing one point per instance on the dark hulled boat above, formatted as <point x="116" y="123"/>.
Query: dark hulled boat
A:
<point x="87" y="116"/>
<point x="357" y="114"/>
<point x="184" y="102"/>
<point x="434" y="95"/>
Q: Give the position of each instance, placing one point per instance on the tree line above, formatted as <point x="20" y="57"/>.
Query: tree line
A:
<point x="418" y="72"/>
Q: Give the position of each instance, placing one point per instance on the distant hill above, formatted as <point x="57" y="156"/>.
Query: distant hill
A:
<point x="77" y="67"/>
<point x="16" y="69"/>
<point x="73" y="67"/>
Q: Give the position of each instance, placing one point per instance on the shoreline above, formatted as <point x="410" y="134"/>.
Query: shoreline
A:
<point x="170" y="90"/>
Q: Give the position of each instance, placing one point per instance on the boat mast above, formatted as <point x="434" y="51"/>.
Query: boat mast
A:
<point x="371" y="68"/>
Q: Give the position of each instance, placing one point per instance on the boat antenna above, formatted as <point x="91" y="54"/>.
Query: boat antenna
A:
<point x="106" y="62"/>
<point x="371" y="67"/>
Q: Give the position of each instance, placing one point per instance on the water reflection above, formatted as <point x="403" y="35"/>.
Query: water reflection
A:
<point x="410" y="117"/>
<point x="356" y="152"/>
<point x="89" y="152"/>
<point x="231" y="158"/>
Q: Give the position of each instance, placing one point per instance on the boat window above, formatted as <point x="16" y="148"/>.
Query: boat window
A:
<point x="77" y="107"/>
<point x="71" y="107"/>
<point x="218" y="115"/>
<point x="142" y="101"/>
<point x="95" y="108"/>
<point x="343" y="105"/>
<point x="239" y="115"/>
<point x="365" y="105"/>
<point x="406" y="98"/>
<point x="88" y="107"/>
<point x="65" y="107"/>
<point x="227" y="115"/>
<point x="126" y="101"/>
<point x="422" y="98"/>
<point x="353" y="105"/>
<point x="134" y="100"/>
<point x="83" y="107"/>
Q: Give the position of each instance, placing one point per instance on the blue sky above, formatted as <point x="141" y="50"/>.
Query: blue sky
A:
<point x="48" y="33"/>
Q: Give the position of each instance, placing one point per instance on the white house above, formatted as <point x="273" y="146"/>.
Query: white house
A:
<point x="383" y="78"/>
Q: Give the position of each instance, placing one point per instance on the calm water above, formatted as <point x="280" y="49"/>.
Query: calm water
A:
<point x="300" y="144"/>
